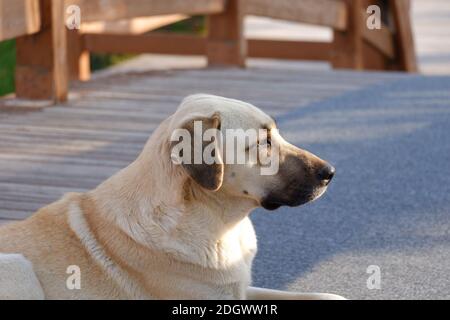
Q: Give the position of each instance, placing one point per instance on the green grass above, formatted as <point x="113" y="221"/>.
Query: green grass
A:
<point x="194" y="25"/>
<point x="7" y="66"/>
<point x="102" y="61"/>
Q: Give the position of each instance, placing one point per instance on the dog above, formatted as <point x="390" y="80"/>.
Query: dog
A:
<point x="159" y="229"/>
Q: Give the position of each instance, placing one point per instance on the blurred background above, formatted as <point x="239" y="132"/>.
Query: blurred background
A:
<point x="430" y="22"/>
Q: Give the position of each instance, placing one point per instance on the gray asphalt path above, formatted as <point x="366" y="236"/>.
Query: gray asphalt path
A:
<point x="388" y="206"/>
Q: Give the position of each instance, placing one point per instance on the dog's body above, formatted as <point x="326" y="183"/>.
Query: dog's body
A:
<point x="113" y="265"/>
<point x="157" y="230"/>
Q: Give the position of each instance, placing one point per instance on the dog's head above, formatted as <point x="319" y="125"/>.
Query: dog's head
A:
<point x="232" y="147"/>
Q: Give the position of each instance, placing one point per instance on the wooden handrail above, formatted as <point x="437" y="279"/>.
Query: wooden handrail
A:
<point x="329" y="13"/>
<point x="226" y="44"/>
<point x="154" y="43"/>
<point x="196" y="45"/>
<point x="132" y="26"/>
<point x="19" y="18"/>
<point x="404" y="36"/>
<point x="110" y="10"/>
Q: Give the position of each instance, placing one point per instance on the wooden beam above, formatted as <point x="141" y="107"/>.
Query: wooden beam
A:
<point x="404" y="36"/>
<point x="348" y="45"/>
<point x="19" y="18"/>
<point x="196" y="45"/>
<point x="226" y="43"/>
<point x="133" y="25"/>
<point x="78" y="57"/>
<point x="151" y="43"/>
<point x="378" y="45"/>
<point x="381" y="39"/>
<point x="59" y="50"/>
<point x="41" y="67"/>
<point x="296" y="50"/>
<point x="374" y="59"/>
<point x="110" y="10"/>
<point x="328" y="13"/>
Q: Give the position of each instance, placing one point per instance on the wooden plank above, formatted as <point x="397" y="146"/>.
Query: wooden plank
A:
<point x="301" y="50"/>
<point x="177" y="88"/>
<point x="381" y="39"/>
<point x="404" y="35"/>
<point x="374" y="59"/>
<point x="77" y="56"/>
<point x="86" y="123"/>
<point x="19" y="18"/>
<point x="91" y="174"/>
<point x="100" y="162"/>
<point x="72" y="182"/>
<point x="57" y="130"/>
<point x="378" y="47"/>
<point x="132" y="26"/>
<point x="41" y="67"/>
<point x="329" y="13"/>
<point x="155" y="43"/>
<point x="278" y="74"/>
<point x="348" y="45"/>
<point x="56" y="181"/>
<point x="47" y="192"/>
<point x="194" y="45"/>
<point x="226" y="43"/>
<point x="110" y="10"/>
<point x="59" y="51"/>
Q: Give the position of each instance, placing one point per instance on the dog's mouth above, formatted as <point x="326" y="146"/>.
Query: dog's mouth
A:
<point x="270" y="205"/>
<point x="273" y="202"/>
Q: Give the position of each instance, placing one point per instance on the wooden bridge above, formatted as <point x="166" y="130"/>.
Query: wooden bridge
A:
<point x="49" y="55"/>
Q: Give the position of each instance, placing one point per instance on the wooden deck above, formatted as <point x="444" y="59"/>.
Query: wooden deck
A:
<point x="48" y="151"/>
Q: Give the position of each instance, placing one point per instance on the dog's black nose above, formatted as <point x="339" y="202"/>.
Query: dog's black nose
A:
<point x="327" y="173"/>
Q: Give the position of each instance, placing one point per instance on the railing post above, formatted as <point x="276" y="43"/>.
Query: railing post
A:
<point x="404" y="39"/>
<point x="78" y="57"/>
<point x="226" y="45"/>
<point x="41" y="67"/>
<point x="348" y="44"/>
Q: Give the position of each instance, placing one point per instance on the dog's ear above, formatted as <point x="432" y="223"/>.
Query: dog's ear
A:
<point x="208" y="173"/>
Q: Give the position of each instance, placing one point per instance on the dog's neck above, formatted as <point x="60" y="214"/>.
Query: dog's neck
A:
<point x="161" y="208"/>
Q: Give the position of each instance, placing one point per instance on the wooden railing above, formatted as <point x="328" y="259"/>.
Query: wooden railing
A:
<point x="18" y="18"/>
<point x="40" y="46"/>
<point x="48" y="54"/>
